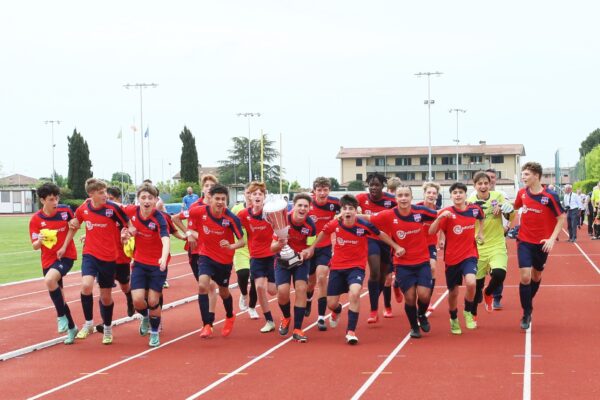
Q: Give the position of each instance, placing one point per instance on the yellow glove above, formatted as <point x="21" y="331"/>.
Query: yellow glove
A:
<point x="50" y="238"/>
<point x="129" y="247"/>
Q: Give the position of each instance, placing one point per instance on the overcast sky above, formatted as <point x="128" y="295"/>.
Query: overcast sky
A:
<point x="323" y="73"/>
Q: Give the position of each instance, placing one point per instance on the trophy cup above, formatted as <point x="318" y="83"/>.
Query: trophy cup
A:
<point x="275" y="213"/>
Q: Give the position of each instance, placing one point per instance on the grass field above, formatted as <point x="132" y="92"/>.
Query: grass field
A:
<point x="17" y="259"/>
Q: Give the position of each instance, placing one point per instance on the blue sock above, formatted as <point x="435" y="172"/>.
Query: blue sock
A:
<point x="87" y="303"/>
<point x="411" y="313"/>
<point x="525" y="297"/>
<point x="144" y="312"/>
<point x="422" y="307"/>
<point x="59" y="303"/>
<point x="338" y="309"/>
<point x="470" y="306"/>
<point x="285" y="310"/>
<point x="352" y="320"/>
<point x="69" y="317"/>
<point x="387" y="296"/>
<point x="534" y="288"/>
<point x="298" y="316"/>
<point x="322" y="305"/>
<point x="228" y="303"/>
<point x="106" y="311"/>
<point x="268" y="316"/>
<point x="154" y="324"/>
<point x="373" y="287"/>
<point x="454" y="314"/>
<point x="203" y="304"/>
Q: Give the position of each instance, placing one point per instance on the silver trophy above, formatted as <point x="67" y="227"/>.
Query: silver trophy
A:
<point x="275" y="213"/>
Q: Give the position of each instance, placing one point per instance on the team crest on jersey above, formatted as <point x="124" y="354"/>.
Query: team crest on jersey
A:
<point x="457" y="229"/>
<point x="475" y="212"/>
<point x="205" y="229"/>
<point x="305" y="231"/>
<point x="152" y="225"/>
<point x="401" y="234"/>
<point x="109" y="212"/>
<point x="64" y="216"/>
<point x="494" y="203"/>
<point x="331" y="207"/>
<point x="544" y="200"/>
<point x="314" y="218"/>
<point x="417" y="217"/>
<point x="360" y="231"/>
<point x="225" y="223"/>
<point x="387" y="203"/>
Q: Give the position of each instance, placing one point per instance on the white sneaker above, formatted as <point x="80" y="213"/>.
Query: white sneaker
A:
<point x="269" y="327"/>
<point x="243" y="305"/>
<point x="252" y="313"/>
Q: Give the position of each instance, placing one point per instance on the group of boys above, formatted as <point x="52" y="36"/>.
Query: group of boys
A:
<point x="383" y="230"/>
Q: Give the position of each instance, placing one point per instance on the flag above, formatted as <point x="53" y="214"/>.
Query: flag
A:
<point x="120" y="135"/>
<point x="147" y="133"/>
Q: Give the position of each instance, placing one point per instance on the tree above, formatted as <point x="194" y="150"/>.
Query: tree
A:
<point x="189" y="157"/>
<point x="335" y="185"/>
<point x="592" y="164"/>
<point x="80" y="166"/>
<point x="295" y="186"/>
<point x="589" y="143"/>
<point x="356" y="186"/>
<point x="235" y="168"/>
<point x="119" y="177"/>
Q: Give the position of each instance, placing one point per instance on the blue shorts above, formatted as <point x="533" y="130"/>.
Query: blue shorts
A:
<point x="341" y="279"/>
<point x="298" y="273"/>
<point x="377" y="247"/>
<point x="322" y="256"/>
<point x="531" y="255"/>
<point x="63" y="266"/>
<point x="454" y="273"/>
<point x="103" y="271"/>
<point x="408" y="276"/>
<point x="432" y="252"/>
<point x="218" y="272"/>
<point x="146" y="276"/>
<point x="263" y="267"/>
<point x="122" y="273"/>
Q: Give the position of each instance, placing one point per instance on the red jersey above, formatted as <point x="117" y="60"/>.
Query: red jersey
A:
<point x="460" y="233"/>
<point x="184" y="214"/>
<point x="431" y="239"/>
<point x="408" y="232"/>
<point x="100" y="229"/>
<point x="299" y="234"/>
<point x="150" y="231"/>
<point x="260" y="233"/>
<point x="350" y="244"/>
<point x="58" y="221"/>
<point x="321" y="214"/>
<point x="371" y="207"/>
<point x="538" y="214"/>
<point x="212" y="230"/>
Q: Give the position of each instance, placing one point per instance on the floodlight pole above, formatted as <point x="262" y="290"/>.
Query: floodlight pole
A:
<point x="248" y="115"/>
<point x="429" y="102"/>
<point x="457" y="110"/>
<point x="52" y="122"/>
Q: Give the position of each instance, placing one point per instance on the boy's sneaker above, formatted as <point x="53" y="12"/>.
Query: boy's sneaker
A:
<point x="334" y="319"/>
<point x="144" y="326"/>
<point x="107" y="337"/>
<point x="488" y="301"/>
<point x="497" y="305"/>
<point x="321" y="324"/>
<point x="299" y="336"/>
<point x="71" y="333"/>
<point x="398" y="294"/>
<point x="388" y="313"/>
<point x="154" y="340"/>
<point x="455" y="326"/>
<point x="242" y="303"/>
<point x="284" y="326"/>
<point x="525" y="322"/>
<point x="85" y="331"/>
<point x="228" y="326"/>
<point x="351" y="338"/>
<point x="253" y="313"/>
<point x="63" y="324"/>
<point x="470" y="321"/>
<point x="373" y="317"/>
<point x="415" y="333"/>
<point x="424" y="323"/>
<point x="269" y="327"/>
<point x="206" y="331"/>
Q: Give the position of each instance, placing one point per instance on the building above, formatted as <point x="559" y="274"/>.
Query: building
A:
<point x="201" y="171"/>
<point x="549" y="176"/>
<point x="411" y="164"/>
<point x="17" y="194"/>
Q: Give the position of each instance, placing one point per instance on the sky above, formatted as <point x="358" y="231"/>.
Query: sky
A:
<point x="323" y="74"/>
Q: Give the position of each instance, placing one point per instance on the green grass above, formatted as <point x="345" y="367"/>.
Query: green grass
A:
<point x="18" y="261"/>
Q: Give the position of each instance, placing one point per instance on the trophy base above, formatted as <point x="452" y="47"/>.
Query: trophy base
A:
<point x="289" y="263"/>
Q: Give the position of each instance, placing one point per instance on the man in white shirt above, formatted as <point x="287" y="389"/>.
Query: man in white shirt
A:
<point x="572" y="204"/>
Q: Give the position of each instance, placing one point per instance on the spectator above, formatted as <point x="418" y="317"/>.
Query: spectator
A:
<point x="189" y="198"/>
<point x="572" y="205"/>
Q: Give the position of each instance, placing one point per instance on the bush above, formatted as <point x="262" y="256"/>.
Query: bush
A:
<point x="73" y="203"/>
<point x="180" y="190"/>
<point x="65" y="194"/>
<point x="586" y="186"/>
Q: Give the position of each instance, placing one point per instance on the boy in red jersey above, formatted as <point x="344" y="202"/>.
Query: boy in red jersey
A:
<point x="348" y="263"/>
<point x="214" y="226"/>
<point x="542" y="219"/>
<point x="300" y="229"/>
<point x="262" y="260"/>
<point x="404" y="224"/>
<point x="58" y="257"/>
<point x="380" y="265"/>
<point x="151" y="257"/>
<point x="100" y="252"/>
<point x="458" y="224"/>
<point x="323" y="209"/>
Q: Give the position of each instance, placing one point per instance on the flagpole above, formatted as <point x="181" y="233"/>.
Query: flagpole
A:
<point x="262" y="158"/>
<point x="147" y="136"/>
<point x="122" y="170"/>
<point x="280" y="163"/>
<point x="133" y="128"/>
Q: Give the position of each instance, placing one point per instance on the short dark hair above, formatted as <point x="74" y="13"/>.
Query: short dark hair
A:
<point x="48" y="189"/>
<point x="148" y="188"/>
<point x="348" y="200"/>
<point x="219" y="189"/>
<point x="480" y="175"/>
<point x="322" y="181"/>
<point x="302" y="196"/>
<point x="492" y="170"/>
<point x="534" y="167"/>
<point x="114" y="192"/>
<point x="377" y="175"/>
<point x="458" y="185"/>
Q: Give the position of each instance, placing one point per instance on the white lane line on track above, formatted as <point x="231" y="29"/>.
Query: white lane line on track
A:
<point x="584" y="254"/>
<point x="527" y="365"/>
<point x="139" y="355"/>
<point x="361" y="391"/>
<point x="255" y="360"/>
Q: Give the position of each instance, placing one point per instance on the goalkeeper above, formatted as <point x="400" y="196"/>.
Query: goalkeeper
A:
<point x="493" y="255"/>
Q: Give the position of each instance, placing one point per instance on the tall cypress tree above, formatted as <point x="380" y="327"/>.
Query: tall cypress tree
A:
<point x="189" y="157"/>
<point x="80" y="166"/>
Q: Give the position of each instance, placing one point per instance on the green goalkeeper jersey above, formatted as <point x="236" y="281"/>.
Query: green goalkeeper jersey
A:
<point x="493" y="229"/>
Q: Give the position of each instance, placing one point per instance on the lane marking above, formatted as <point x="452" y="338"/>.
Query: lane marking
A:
<point x="392" y="355"/>
<point x="527" y="365"/>
<point x="372" y="372"/>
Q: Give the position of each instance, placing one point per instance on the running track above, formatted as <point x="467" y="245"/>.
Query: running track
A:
<point x="555" y="359"/>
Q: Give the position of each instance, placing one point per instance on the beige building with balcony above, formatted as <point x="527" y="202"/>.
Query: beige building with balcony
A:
<point x="411" y="164"/>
